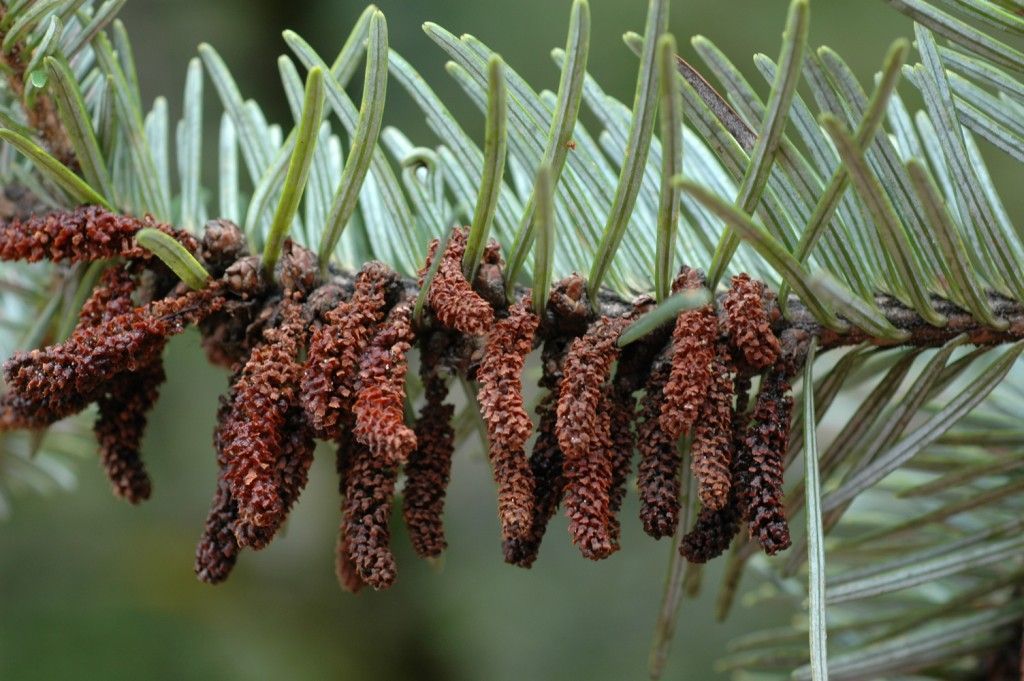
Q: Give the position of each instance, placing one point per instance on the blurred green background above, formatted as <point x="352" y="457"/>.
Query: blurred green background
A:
<point x="93" y="589"/>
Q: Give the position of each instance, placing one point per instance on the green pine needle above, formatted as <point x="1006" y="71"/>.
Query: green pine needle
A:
<point x="298" y="168"/>
<point x="495" y="153"/>
<point x="364" y="139"/>
<point x="174" y="255"/>
<point x="58" y="173"/>
<point x="641" y="130"/>
<point x="544" y="249"/>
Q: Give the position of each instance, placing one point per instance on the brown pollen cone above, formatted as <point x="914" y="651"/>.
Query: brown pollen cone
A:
<point x="712" y="437"/>
<point x="429" y="466"/>
<point x="760" y="473"/>
<point x="61" y="379"/>
<point x="622" y="408"/>
<point x="85" y="234"/>
<point x="295" y="460"/>
<point x="508" y="425"/>
<point x="658" y="478"/>
<point x="747" y="322"/>
<point x="218" y="549"/>
<point x="714" y="530"/>
<point x="123" y="408"/>
<point x="255" y="429"/>
<point x="379" y="408"/>
<point x="589" y="479"/>
<point x="452" y="299"/>
<point x="332" y="367"/>
<point x="546" y="462"/>
<point x="112" y="297"/>
<point x="693" y="343"/>
<point x="587" y="366"/>
<point x="219" y="545"/>
<point x="711" y="535"/>
<point x="344" y="567"/>
<point x="291" y="475"/>
<point x="546" y="459"/>
<point x="365" y="535"/>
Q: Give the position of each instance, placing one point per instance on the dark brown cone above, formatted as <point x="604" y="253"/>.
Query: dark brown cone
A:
<point x="452" y="299"/>
<point x="546" y="460"/>
<point x="369" y="493"/>
<point x="17" y="413"/>
<point x="693" y="350"/>
<point x="587" y="366"/>
<point x="123" y="408"/>
<point x="429" y="466"/>
<point x="344" y="568"/>
<point x="218" y="549"/>
<point x="508" y="425"/>
<point x="747" y="322"/>
<point x="712" y="437"/>
<point x="332" y="368"/>
<point x="379" y="407"/>
<point x="760" y="470"/>
<point x="85" y="234"/>
<point x="222" y="244"/>
<point x="255" y="430"/>
<point x="714" y="530"/>
<point x="546" y="463"/>
<point x="711" y="535"/>
<point x="658" y="478"/>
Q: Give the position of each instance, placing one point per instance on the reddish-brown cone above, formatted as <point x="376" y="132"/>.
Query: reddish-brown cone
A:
<point x="508" y="425"/>
<point x="254" y="432"/>
<point x="693" y="349"/>
<point x="218" y="549"/>
<point x="747" y="323"/>
<point x="329" y="378"/>
<point x="546" y="469"/>
<point x="711" y="535"/>
<point x="61" y="379"/>
<point x="712" y="437"/>
<point x="452" y="299"/>
<point x="587" y="365"/>
<point x="112" y="297"/>
<point x="85" y="234"/>
<point x="714" y="530"/>
<point x="295" y="460"/>
<point x="589" y="479"/>
<point x="379" y="408"/>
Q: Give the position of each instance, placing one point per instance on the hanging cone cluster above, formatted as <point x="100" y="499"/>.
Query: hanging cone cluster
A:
<point x="508" y="424"/>
<point x="325" y="355"/>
